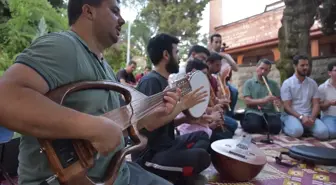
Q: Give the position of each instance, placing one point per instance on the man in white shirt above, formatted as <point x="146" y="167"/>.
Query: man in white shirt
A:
<point x="327" y="92"/>
<point x="300" y="96"/>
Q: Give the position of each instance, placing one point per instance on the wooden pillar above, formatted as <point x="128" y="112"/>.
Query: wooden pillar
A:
<point x="276" y="54"/>
<point x="240" y="59"/>
<point x="315" y="50"/>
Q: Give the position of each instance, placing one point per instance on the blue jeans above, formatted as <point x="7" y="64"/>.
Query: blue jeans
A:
<point x="294" y="128"/>
<point x="5" y="135"/>
<point x="231" y="123"/>
<point x="330" y="122"/>
<point x="234" y="99"/>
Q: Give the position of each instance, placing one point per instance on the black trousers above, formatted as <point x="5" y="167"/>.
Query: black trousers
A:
<point x="254" y="123"/>
<point x="186" y="158"/>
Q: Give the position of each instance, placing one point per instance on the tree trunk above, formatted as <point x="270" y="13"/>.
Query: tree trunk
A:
<point x="298" y="18"/>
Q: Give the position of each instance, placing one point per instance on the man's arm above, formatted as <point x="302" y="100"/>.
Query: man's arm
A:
<point x="125" y="83"/>
<point x="230" y="60"/>
<point x="286" y="97"/>
<point x="316" y="107"/>
<point x="247" y="93"/>
<point x="289" y="109"/>
<point x="151" y="86"/>
<point x="254" y="102"/>
<point x="315" y="102"/>
<point x="122" y="78"/>
<point x="324" y="104"/>
<point x="25" y="108"/>
<point x="161" y="120"/>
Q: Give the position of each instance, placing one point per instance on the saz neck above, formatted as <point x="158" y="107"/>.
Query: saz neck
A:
<point x="140" y="108"/>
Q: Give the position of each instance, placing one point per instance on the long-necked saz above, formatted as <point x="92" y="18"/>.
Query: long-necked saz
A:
<point x="71" y="159"/>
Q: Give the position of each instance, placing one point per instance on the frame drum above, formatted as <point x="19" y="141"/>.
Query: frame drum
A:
<point x="196" y="80"/>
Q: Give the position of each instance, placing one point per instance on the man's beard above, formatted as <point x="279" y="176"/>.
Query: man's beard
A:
<point x="303" y="73"/>
<point x="172" y="66"/>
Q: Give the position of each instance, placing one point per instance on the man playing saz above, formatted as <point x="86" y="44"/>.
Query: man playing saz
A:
<point x="66" y="57"/>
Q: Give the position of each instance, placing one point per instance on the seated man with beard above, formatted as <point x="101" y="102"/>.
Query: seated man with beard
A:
<point x="178" y="159"/>
<point x="300" y="96"/>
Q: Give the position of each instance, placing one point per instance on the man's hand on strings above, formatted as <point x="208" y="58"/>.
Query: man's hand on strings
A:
<point x="171" y="99"/>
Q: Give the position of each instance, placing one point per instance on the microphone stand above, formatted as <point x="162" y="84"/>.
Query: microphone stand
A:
<point x="268" y="139"/>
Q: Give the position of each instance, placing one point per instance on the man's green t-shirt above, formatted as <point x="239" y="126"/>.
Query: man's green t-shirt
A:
<point x="257" y="90"/>
<point x="62" y="58"/>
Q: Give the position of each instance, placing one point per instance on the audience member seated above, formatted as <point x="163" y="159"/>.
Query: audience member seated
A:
<point x="125" y="76"/>
<point x="140" y="75"/>
<point x="327" y="92"/>
<point x="5" y="135"/>
<point x="260" y="102"/>
<point x="300" y="96"/>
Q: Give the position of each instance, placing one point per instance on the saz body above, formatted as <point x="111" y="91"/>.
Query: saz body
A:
<point x="237" y="159"/>
<point x="70" y="159"/>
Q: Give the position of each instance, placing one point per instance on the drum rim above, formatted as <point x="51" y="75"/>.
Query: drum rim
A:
<point x="198" y="72"/>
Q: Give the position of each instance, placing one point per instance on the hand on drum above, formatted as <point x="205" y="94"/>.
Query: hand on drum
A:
<point x="193" y="98"/>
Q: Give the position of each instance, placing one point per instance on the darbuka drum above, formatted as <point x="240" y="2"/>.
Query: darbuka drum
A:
<point x="237" y="159"/>
<point x="198" y="79"/>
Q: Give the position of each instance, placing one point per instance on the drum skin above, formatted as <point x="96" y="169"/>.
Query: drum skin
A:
<point x="197" y="80"/>
<point x="234" y="170"/>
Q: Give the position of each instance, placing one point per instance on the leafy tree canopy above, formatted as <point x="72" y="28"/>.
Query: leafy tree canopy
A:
<point x="178" y="18"/>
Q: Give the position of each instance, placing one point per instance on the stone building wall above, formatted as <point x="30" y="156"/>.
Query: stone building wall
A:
<point x="319" y="73"/>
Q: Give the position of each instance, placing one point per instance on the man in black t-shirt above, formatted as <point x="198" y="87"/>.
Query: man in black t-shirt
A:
<point x="178" y="159"/>
<point x="125" y="76"/>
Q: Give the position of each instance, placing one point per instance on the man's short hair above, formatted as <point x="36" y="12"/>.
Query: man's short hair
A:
<point x="331" y="65"/>
<point x="198" y="49"/>
<point x="297" y="58"/>
<point x="75" y="8"/>
<point x="214" y="57"/>
<point x="132" y="62"/>
<point x="265" y="61"/>
<point x="213" y="36"/>
<point x="148" y="67"/>
<point x="195" y="64"/>
<point x="158" y="44"/>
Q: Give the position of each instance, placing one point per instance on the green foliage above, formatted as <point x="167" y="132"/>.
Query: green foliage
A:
<point x="140" y="35"/>
<point x="29" y="19"/>
<point x="57" y="3"/>
<point x="116" y="55"/>
<point x="179" y="18"/>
